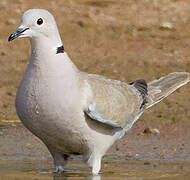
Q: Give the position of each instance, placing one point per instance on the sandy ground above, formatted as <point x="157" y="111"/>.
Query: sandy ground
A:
<point x="171" y="145"/>
<point x="123" y="40"/>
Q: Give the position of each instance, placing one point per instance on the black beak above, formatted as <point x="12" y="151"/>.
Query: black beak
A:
<point x="16" y="34"/>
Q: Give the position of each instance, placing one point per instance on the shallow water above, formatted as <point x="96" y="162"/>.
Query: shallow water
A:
<point x="111" y="170"/>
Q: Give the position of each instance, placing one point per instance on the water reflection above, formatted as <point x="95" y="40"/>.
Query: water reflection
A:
<point x="56" y="177"/>
<point x="112" y="170"/>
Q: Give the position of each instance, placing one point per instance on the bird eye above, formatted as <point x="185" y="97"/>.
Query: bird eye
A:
<point x="40" y="21"/>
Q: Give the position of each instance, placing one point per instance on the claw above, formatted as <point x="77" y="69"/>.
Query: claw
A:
<point x="59" y="170"/>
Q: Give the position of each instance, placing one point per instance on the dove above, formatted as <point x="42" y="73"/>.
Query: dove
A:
<point x="73" y="112"/>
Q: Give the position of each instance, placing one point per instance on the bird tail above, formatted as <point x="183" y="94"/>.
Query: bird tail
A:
<point x="161" y="88"/>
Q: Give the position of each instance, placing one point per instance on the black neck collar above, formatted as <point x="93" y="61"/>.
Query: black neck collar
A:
<point x="60" y="49"/>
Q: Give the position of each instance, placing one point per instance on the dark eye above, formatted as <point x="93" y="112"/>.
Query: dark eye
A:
<point x="40" y="21"/>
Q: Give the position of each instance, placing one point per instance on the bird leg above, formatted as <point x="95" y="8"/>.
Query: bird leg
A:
<point x="60" y="160"/>
<point x="94" y="162"/>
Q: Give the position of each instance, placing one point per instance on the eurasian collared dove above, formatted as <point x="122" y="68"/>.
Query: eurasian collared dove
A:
<point x="73" y="112"/>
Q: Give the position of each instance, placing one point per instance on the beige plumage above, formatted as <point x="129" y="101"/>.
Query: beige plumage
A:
<point x="73" y="112"/>
<point x="120" y="103"/>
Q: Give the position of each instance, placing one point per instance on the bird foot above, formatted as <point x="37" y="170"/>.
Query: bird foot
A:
<point x="59" y="170"/>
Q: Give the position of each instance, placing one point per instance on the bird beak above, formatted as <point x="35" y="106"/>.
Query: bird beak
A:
<point x="18" y="33"/>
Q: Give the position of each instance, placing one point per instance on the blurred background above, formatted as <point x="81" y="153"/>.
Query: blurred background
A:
<point x="123" y="39"/>
<point x="120" y="39"/>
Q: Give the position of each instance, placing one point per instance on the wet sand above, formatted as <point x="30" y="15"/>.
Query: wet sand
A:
<point x="171" y="144"/>
<point x="138" y="155"/>
<point x="124" y="40"/>
<point x="112" y="170"/>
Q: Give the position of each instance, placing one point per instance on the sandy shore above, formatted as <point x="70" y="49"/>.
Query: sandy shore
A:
<point x="171" y="144"/>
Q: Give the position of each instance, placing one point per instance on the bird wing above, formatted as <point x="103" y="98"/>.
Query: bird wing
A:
<point x="112" y="102"/>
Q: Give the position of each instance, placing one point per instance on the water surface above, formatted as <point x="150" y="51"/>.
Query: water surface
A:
<point x="112" y="170"/>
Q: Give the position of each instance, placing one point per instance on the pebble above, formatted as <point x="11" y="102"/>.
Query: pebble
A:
<point x="151" y="131"/>
<point x="11" y="22"/>
<point x="167" y="25"/>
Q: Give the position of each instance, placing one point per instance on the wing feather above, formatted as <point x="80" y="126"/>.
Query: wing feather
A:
<point x="113" y="102"/>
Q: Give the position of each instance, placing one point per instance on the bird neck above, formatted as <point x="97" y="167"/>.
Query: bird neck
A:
<point x="43" y="44"/>
<point x="50" y="57"/>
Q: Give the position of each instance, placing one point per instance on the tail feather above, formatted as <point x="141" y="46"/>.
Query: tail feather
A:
<point x="161" y="88"/>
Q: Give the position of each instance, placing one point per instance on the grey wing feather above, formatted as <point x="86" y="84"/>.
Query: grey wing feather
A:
<point x="120" y="104"/>
<point x="99" y="117"/>
<point x="114" y="103"/>
<point x="141" y="86"/>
